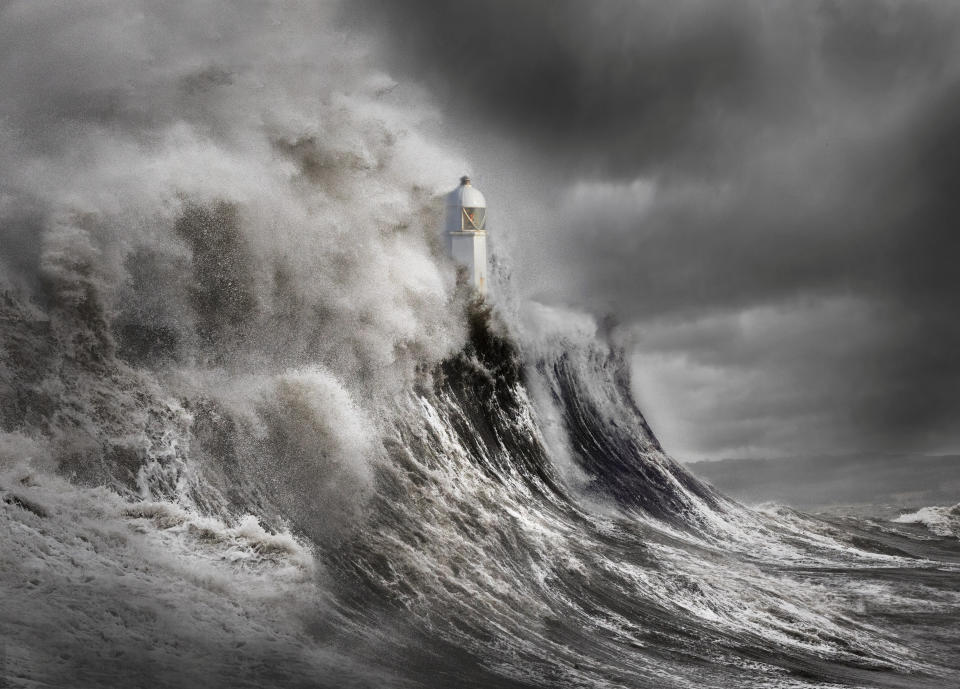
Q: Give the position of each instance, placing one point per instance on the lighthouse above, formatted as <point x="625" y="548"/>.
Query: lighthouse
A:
<point x="466" y="232"/>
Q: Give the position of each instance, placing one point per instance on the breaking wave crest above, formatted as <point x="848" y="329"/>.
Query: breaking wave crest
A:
<point x="943" y="521"/>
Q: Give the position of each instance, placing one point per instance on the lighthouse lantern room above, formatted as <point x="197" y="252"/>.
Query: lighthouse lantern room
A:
<point x="466" y="232"/>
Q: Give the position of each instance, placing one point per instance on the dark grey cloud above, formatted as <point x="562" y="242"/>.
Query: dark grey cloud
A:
<point x="690" y="165"/>
<point x="614" y="86"/>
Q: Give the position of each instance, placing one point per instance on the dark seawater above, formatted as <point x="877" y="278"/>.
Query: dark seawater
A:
<point x="520" y="527"/>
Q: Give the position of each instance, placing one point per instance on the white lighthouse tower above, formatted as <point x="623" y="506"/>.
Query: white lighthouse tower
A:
<point x="466" y="232"/>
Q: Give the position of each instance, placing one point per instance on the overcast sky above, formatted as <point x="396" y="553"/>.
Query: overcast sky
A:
<point x="765" y="195"/>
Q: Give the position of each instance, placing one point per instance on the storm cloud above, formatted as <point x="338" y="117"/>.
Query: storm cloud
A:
<point x="762" y="194"/>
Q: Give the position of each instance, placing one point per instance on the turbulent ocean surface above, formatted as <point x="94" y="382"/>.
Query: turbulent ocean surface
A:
<point x="507" y="520"/>
<point x="253" y="433"/>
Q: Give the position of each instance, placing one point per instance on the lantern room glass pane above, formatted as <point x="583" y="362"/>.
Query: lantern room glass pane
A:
<point x="473" y="218"/>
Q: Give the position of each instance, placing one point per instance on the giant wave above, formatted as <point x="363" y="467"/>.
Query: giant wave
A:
<point x="514" y="522"/>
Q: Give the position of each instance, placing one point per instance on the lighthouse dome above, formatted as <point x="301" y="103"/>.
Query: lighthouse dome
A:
<point x="466" y="195"/>
<point x="466" y="209"/>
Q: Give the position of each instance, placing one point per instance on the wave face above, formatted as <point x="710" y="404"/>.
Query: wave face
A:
<point x="253" y="434"/>
<point x="622" y="569"/>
